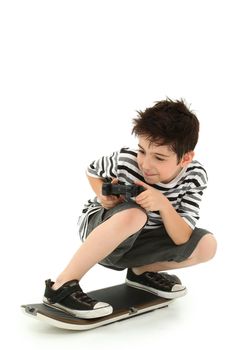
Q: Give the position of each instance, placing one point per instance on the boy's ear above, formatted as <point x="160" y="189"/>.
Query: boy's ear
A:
<point x="187" y="158"/>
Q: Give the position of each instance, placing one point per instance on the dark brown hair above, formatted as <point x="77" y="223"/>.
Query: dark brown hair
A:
<point x="169" y="123"/>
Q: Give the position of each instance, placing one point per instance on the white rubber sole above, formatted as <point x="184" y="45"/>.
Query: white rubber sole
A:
<point x="86" y="314"/>
<point x="160" y="293"/>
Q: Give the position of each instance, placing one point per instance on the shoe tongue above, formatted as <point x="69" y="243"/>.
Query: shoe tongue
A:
<point x="71" y="283"/>
<point x="67" y="289"/>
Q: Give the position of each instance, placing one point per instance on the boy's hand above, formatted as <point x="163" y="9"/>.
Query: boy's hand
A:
<point x="110" y="201"/>
<point x="150" y="199"/>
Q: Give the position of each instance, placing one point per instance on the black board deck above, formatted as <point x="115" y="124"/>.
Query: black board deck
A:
<point x="126" y="302"/>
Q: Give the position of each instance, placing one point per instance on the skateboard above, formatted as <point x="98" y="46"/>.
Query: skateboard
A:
<point x="126" y="301"/>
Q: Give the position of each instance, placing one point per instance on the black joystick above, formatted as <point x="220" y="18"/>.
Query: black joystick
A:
<point x="128" y="191"/>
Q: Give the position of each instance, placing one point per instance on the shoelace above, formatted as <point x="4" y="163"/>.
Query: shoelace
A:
<point x="159" y="279"/>
<point x="83" y="297"/>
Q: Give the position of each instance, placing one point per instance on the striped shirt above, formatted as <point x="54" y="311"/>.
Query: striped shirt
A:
<point x="184" y="192"/>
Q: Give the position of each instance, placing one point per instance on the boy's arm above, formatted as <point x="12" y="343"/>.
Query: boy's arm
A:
<point x="96" y="184"/>
<point x="153" y="200"/>
<point x="106" y="201"/>
<point x="175" y="225"/>
<point x="100" y="170"/>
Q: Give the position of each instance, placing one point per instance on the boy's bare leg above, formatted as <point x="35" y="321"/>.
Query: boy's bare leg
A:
<point x="204" y="251"/>
<point x="101" y="242"/>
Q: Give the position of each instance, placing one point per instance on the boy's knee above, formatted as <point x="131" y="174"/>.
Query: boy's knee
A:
<point x="134" y="216"/>
<point x="206" y="248"/>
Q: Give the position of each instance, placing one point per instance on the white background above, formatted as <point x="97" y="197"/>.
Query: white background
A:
<point x="72" y="76"/>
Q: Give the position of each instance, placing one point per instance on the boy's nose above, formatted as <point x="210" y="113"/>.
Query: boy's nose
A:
<point x="146" y="164"/>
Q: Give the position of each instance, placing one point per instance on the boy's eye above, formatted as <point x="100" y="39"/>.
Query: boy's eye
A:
<point x="156" y="157"/>
<point x="161" y="159"/>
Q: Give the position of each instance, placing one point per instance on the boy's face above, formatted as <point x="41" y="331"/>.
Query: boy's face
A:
<point x="159" y="163"/>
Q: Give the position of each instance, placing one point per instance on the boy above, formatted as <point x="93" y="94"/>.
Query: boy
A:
<point x="150" y="233"/>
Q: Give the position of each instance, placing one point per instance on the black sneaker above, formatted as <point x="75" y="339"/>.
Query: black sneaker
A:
<point x="159" y="283"/>
<point x="70" y="298"/>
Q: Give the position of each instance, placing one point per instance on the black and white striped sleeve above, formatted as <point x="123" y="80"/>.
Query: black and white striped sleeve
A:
<point x="190" y="204"/>
<point x="104" y="167"/>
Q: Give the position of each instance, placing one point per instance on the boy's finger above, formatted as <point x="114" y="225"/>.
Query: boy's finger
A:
<point x="143" y="184"/>
<point x="114" y="181"/>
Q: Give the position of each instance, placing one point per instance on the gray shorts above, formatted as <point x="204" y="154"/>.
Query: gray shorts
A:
<point x="146" y="246"/>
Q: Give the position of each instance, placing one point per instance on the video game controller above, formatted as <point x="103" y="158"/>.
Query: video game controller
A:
<point x="128" y="191"/>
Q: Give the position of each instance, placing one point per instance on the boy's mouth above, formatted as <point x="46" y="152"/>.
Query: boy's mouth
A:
<point x="149" y="175"/>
